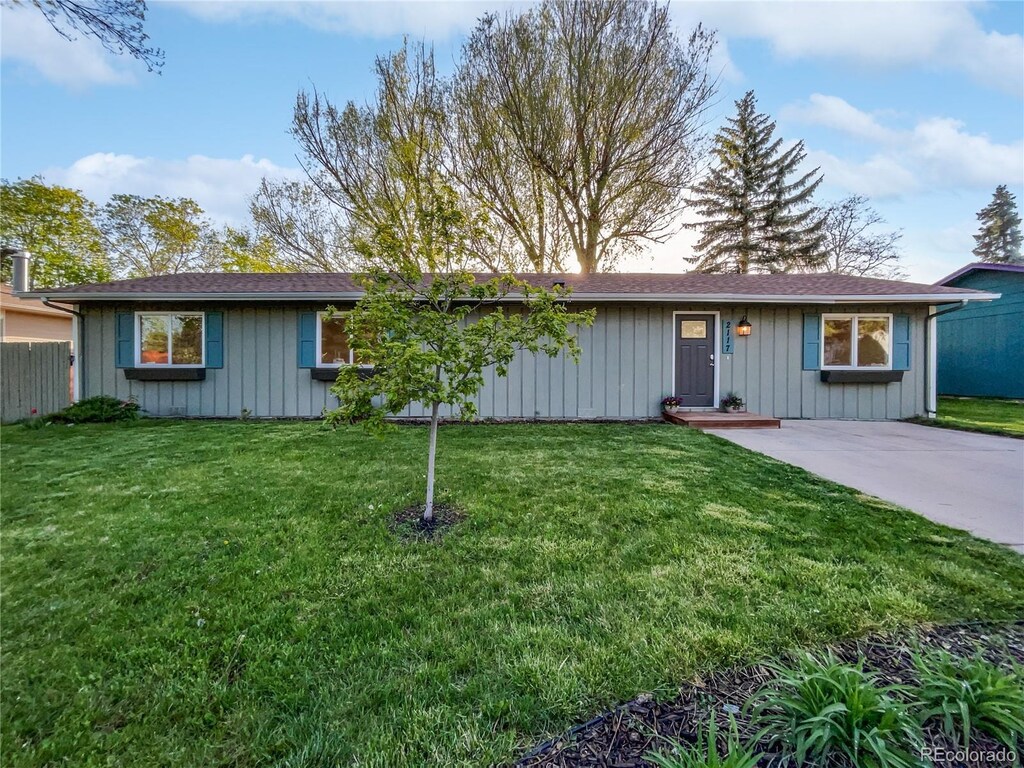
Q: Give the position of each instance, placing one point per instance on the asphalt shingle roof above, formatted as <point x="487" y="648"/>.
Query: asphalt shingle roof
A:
<point x="608" y="285"/>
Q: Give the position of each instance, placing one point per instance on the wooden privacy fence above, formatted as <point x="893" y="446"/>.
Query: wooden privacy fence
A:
<point x="33" y="374"/>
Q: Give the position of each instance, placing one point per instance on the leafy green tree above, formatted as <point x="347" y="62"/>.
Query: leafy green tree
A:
<point x="147" y="236"/>
<point x="430" y="335"/>
<point x="57" y="226"/>
<point x="243" y="251"/>
<point x="999" y="237"/>
<point x="580" y="124"/>
<point x="756" y="216"/>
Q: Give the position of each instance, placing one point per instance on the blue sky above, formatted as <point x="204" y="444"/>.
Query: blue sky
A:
<point x="917" y="105"/>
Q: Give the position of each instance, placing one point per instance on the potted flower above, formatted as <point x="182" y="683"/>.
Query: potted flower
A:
<point x="733" y="403"/>
<point x="671" y="404"/>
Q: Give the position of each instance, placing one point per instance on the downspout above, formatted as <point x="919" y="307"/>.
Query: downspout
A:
<point x="931" y="395"/>
<point x="77" y="321"/>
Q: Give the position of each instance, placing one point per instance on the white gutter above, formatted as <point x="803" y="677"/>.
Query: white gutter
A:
<point x="718" y="298"/>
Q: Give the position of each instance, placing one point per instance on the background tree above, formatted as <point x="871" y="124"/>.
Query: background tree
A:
<point x="756" y="216"/>
<point x="371" y="162"/>
<point x="147" y="236"/>
<point x="57" y="225"/>
<point x="999" y="237"/>
<point x="853" y="245"/>
<point x="244" y="251"/>
<point x="430" y="336"/>
<point x="580" y="125"/>
<point x="306" y="228"/>
<point x="117" y="24"/>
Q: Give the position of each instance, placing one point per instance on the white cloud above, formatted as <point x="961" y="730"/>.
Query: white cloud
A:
<point x="28" y="38"/>
<point x="953" y="157"/>
<point x="222" y="186"/>
<point x="417" y="18"/>
<point x="877" y="177"/>
<point x="833" y="112"/>
<point x="936" y="152"/>
<point x="945" y="36"/>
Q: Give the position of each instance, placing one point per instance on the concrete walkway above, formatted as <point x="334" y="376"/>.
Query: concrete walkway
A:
<point x="961" y="479"/>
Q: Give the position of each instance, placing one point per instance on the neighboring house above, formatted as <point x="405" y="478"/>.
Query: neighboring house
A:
<point x="819" y="346"/>
<point x="27" y="319"/>
<point x="981" y="346"/>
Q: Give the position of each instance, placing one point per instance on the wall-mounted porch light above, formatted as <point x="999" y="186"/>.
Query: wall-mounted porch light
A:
<point x="743" y="328"/>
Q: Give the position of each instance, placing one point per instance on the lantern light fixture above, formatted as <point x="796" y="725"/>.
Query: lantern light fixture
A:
<point x="743" y="328"/>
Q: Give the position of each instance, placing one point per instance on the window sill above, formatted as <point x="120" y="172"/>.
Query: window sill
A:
<point x="165" y="374"/>
<point x="331" y="374"/>
<point x="861" y="377"/>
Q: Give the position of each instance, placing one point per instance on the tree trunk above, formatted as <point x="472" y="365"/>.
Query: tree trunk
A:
<point x="428" y="511"/>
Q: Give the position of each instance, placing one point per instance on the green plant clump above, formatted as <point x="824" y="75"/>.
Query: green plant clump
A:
<point x="705" y="753"/>
<point x="970" y="694"/>
<point x="96" y="410"/>
<point x="824" y="711"/>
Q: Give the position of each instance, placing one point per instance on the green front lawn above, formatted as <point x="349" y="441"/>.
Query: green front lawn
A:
<point x="229" y="593"/>
<point x="982" y="414"/>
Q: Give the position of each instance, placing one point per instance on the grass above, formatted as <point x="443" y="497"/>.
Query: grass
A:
<point x="980" y="414"/>
<point x="185" y="593"/>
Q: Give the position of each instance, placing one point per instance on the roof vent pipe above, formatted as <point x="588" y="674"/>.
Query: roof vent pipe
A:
<point x="19" y="271"/>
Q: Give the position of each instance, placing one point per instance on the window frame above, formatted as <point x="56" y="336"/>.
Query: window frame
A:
<point x="855" y="317"/>
<point x="170" y="342"/>
<point x="319" y="344"/>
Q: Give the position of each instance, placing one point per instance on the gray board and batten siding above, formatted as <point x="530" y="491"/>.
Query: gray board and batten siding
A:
<point x="625" y="369"/>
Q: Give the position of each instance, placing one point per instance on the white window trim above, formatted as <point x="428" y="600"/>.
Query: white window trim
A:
<point x="170" y="350"/>
<point x="319" y="341"/>
<point x="855" y="317"/>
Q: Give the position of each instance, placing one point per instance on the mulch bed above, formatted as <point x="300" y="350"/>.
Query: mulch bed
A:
<point x="408" y="524"/>
<point x="622" y="737"/>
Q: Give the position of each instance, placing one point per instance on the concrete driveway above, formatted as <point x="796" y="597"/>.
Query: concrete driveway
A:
<point x="961" y="479"/>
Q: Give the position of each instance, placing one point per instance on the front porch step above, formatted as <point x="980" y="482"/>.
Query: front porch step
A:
<point x="719" y="420"/>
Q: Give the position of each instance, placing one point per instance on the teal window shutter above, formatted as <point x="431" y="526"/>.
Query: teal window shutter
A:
<point x="812" y="342"/>
<point x="901" y="342"/>
<point x="307" y="340"/>
<point x="214" y="339"/>
<point x="124" y="354"/>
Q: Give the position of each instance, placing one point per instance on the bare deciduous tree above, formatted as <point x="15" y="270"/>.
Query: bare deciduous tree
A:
<point x="852" y="244"/>
<point x="583" y="122"/>
<point x="307" y="229"/>
<point x="117" y="24"/>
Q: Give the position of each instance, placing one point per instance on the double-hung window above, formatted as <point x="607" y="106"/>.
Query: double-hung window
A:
<point x="170" y="339"/>
<point x="332" y="344"/>
<point x="856" y="341"/>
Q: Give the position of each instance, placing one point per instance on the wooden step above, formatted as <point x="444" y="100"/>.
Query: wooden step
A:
<point x="719" y="420"/>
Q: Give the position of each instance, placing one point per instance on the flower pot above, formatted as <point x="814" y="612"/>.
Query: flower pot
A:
<point x="733" y="408"/>
<point x="672" y="409"/>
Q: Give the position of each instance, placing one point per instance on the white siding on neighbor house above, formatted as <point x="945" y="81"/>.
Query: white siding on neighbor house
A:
<point x="624" y="370"/>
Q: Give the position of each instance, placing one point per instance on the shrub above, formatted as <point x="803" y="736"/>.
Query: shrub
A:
<point x="826" y="711"/>
<point x="970" y="694"/>
<point x="701" y="756"/>
<point x="96" y="410"/>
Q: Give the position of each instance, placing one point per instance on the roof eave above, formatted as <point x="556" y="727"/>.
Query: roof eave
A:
<point x="723" y="298"/>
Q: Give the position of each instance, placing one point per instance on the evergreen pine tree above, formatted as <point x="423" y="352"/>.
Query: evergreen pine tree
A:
<point x="756" y="219"/>
<point x="999" y="238"/>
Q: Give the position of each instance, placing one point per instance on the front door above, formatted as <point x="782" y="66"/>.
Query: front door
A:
<point x="695" y="360"/>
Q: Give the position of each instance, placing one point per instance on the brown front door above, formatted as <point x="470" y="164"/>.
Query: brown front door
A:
<point x="695" y="360"/>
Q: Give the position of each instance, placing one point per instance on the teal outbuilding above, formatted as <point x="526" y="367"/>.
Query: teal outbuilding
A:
<point x="981" y="347"/>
